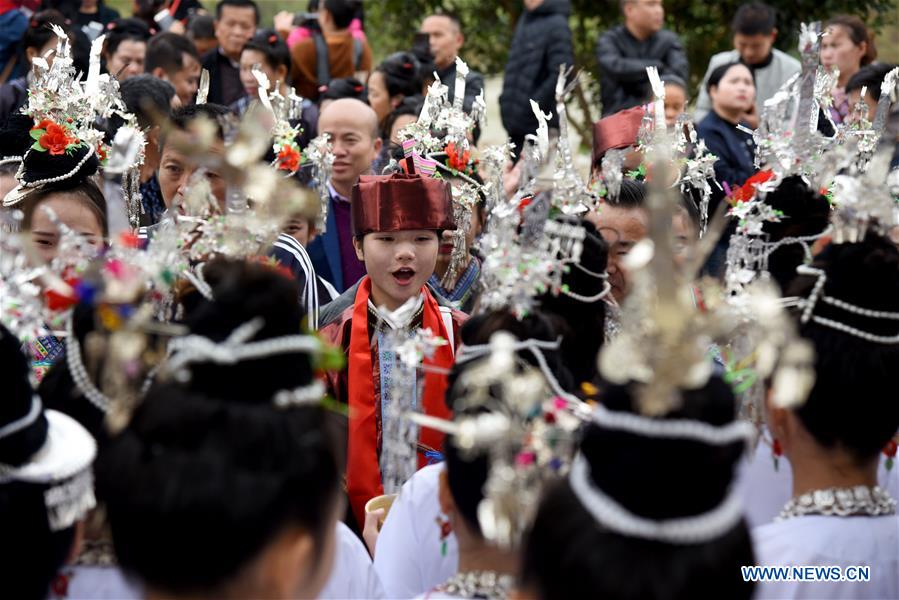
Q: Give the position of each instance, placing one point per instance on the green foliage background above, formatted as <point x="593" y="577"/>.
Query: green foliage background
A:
<point x="702" y="25"/>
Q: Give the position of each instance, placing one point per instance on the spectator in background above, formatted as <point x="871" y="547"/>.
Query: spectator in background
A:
<point x="13" y="24"/>
<point x="542" y="43"/>
<point x="676" y="98"/>
<point x="287" y="27"/>
<point x="235" y="25"/>
<point x="270" y="53"/>
<point x="332" y="53"/>
<point x="355" y="141"/>
<point x="848" y="46"/>
<point x="93" y="16"/>
<point x="446" y="39"/>
<point x="405" y="114"/>
<point x="201" y="31"/>
<point x="870" y="76"/>
<point x="173" y="58"/>
<point x="754" y="28"/>
<point x="625" y="51"/>
<point x="150" y="100"/>
<point x="732" y="91"/>
<point x="394" y="79"/>
<point x="37" y="41"/>
<point x="125" y="49"/>
<point x="176" y="166"/>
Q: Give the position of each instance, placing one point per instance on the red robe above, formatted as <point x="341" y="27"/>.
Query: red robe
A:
<point x="359" y="386"/>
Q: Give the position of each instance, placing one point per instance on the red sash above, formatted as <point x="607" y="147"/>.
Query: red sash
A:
<point x="363" y="473"/>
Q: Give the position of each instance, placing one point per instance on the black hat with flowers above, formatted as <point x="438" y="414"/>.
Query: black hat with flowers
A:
<point x="56" y="156"/>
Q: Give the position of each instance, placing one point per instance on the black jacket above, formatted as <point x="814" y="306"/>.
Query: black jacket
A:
<point x="734" y="148"/>
<point x="225" y="87"/>
<point x="622" y="66"/>
<point x="541" y="43"/>
<point x="474" y="83"/>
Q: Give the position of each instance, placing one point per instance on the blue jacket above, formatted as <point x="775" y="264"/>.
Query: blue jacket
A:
<point x="324" y="251"/>
<point x="734" y="148"/>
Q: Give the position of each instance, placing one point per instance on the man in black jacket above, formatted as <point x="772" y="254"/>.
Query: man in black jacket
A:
<point x="625" y="51"/>
<point x="541" y="43"/>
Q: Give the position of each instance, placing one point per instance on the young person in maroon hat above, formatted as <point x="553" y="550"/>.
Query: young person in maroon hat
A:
<point x="397" y="223"/>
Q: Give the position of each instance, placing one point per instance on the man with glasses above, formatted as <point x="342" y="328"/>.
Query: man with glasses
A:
<point x="622" y="221"/>
<point x="625" y="51"/>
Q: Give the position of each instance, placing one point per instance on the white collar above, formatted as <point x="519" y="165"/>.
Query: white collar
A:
<point x="391" y="318"/>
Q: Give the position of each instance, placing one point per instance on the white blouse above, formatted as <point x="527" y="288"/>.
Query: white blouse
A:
<point x="764" y="491"/>
<point x="831" y="541"/>
<point x="408" y="557"/>
<point x="352" y="576"/>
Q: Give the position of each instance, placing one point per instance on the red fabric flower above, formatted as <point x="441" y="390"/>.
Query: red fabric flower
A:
<point x="56" y="139"/>
<point x="43" y="124"/>
<point x="101" y="152"/>
<point x="289" y="158"/>
<point x="57" y="301"/>
<point x="455" y="159"/>
<point x="747" y="191"/>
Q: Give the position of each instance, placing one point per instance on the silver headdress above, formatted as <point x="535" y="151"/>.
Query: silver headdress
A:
<point x="571" y="194"/>
<point x="508" y="412"/>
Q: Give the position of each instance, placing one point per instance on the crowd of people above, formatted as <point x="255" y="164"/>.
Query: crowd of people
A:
<point x="273" y="323"/>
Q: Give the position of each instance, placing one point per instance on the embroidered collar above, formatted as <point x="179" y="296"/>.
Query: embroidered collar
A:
<point x="382" y="321"/>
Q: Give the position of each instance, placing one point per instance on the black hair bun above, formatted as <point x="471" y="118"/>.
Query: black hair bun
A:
<point x="852" y="405"/>
<point x="62" y="170"/>
<point x="697" y="475"/>
<point x="243" y="291"/>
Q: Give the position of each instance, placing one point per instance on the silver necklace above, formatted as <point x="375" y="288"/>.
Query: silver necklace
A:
<point x="489" y="585"/>
<point x="841" y="502"/>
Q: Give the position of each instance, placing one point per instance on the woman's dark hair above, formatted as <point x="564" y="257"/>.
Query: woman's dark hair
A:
<point x="858" y="32"/>
<point x="852" y="405"/>
<point x="466" y="475"/>
<point x="345" y="87"/>
<point x="581" y="324"/>
<point x="719" y="72"/>
<point x="214" y="454"/>
<point x="568" y="554"/>
<point x="272" y="47"/>
<point x="39" y="33"/>
<point x="243" y="291"/>
<point x="343" y="11"/>
<point x="871" y="76"/>
<point x="806" y="213"/>
<point x="410" y="105"/>
<point x="122" y="30"/>
<point x="86" y="192"/>
<point x="190" y="467"/>
<point x="401" y="74"/>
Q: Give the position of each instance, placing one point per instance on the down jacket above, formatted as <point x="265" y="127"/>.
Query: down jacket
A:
<point x="541" y="43"/>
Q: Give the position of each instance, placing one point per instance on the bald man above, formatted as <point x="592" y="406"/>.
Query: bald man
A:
<point x="353" y="127"/>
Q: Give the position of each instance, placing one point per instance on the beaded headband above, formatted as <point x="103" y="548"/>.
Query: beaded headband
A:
<point x="610" y="514"/>
<point x="191" y="349"/>
<point x="808" y="308"/>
